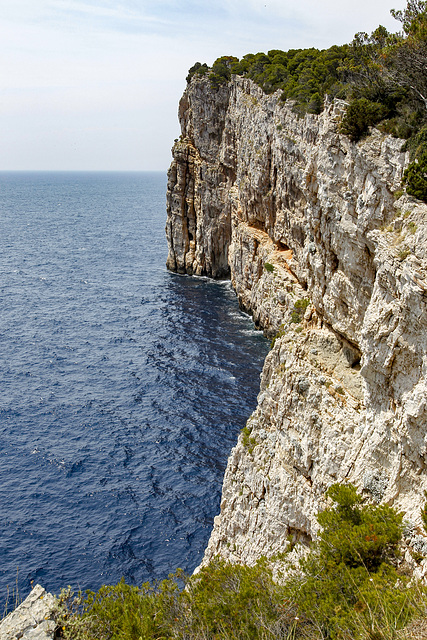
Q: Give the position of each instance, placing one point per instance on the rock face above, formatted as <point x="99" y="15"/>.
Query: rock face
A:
<point x="305" y="223"/>
<point x="32" y="620"/>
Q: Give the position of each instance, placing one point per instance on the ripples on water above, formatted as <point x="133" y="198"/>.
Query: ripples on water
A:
<point x="122" y="387"/>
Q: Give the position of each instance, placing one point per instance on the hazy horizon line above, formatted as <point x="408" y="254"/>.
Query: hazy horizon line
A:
<point x="83" y="170"/>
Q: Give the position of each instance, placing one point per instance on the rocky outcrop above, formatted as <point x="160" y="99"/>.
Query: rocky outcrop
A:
<point x="33" y="619"/>
<point x="198" y="226"/>
<point x="323" y="256"/>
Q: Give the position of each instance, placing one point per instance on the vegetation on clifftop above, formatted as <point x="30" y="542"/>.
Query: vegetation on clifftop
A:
<point x="382" y="76"/>
<point x="302" y="75"/>
<point x="351" y="585"/>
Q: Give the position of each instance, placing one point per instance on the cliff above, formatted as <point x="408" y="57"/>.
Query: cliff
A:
<point x="305" y="223"/>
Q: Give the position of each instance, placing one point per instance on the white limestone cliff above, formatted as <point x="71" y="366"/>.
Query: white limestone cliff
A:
<point x="319" y="251"/>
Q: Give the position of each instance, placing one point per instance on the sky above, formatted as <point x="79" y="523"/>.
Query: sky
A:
<point x="94" y="85"/>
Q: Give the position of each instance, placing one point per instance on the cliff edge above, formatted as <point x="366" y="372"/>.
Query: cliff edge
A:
<point x="305" y="223"/>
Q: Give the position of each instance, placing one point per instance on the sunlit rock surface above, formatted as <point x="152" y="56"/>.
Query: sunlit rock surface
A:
<point x="319" y="251"/>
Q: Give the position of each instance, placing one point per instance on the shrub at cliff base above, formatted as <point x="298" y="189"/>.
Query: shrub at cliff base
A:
<point x="222" y="601"/>
<point x="346" y="588"/>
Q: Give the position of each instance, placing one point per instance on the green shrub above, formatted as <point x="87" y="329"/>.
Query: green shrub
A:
<point x="222" y="601"/>
<point x="238" y="602"/>
<point x="279" y="334"/>
<point x="295" y="317"/>
<point x="302" y="304"/>
<point x="358" y="535"/>
<point x="417" y="143"/>
<point x="221" y="70"/>
<point x="349" y="585"/>
<point x="268" y="267"/>
<point x="415" y="177"/>
<point x="359" y="116"/>
<point x="348" y="588"/>
<point x="298" y="311"/>
<point x="248" y="442"/>
<point x="125" y="612"/>
<point x="315" y="105"/>
<point x="424" y="513"/>
<point x="197" y="69"/>
<point x="403" y="253"/>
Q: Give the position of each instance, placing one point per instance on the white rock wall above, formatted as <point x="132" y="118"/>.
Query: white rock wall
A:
<point x="343" y="392"/>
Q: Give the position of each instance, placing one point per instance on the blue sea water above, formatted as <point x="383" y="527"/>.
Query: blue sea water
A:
<point x="122" y="386"/>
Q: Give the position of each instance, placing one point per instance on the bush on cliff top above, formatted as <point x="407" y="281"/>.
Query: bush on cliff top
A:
<point x="346" y="587"/>
<point x="303" y="75"/>
<point x="359" y="116"/>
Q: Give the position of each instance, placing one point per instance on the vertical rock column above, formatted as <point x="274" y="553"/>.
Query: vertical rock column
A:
<point x="181" y="220"/>
<point x="198" y="226"/>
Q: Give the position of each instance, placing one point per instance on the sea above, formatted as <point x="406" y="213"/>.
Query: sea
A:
<point x="123" y="387"/>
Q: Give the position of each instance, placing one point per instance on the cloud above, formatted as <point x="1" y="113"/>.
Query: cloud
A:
<point x="246" y="19"/>
<point x="110" y="73"/>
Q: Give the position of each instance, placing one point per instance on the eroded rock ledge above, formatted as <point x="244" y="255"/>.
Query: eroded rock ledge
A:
<point x="305" y="223"/>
